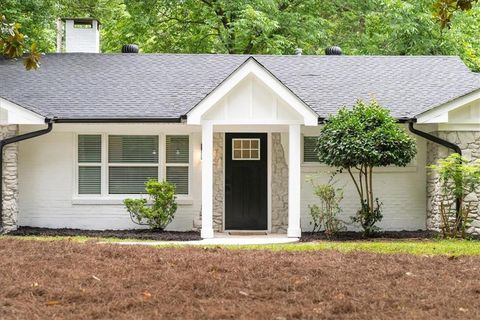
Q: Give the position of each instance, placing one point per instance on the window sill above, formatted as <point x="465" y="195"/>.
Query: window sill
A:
<point x="118" y="201"/>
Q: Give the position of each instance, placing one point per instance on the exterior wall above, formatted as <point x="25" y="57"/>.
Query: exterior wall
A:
<point x="401" y="190"/>
<point x="10" y="179"/>
<point x="469" y="143"/>
<point x="46" y="181"/>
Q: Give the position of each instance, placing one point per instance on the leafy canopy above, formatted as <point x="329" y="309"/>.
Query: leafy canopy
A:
<point x="364" y="136"/>
<point x="374" y="27"/>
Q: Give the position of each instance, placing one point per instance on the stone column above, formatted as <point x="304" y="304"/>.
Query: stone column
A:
<point x="218" y="181"/>
<point x="9" y="179"/>
<point x="279" y="187"/>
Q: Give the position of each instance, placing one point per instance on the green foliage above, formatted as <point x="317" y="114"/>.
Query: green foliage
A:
<point x="163" y="208"/>
<point x="13" y="44"/>
<point x="325" y="215"/>
<point x="458" y="178"/>
<point x="375" y="27"/>
<point x="359" y="139"/>
<point x="364" y="136"/>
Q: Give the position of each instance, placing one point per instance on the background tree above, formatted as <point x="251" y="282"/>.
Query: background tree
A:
<point x="359" y="139"/>
<point x="373" y="27"/>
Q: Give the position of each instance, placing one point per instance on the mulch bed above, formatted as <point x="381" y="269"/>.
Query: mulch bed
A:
<point x="66" y="279"/>
<point x="358" y="236"/>
<point x="141" y="234"/>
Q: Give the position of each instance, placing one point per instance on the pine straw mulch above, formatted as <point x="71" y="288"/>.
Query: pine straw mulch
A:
<point x="66" y="279"/>
<point x="140" y="234"/>
<point x="379" y="236"/>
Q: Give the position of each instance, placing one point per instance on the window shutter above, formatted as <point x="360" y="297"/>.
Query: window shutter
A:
<point x="132" y="149"/>
<point x="89" y="148"/>
<point x="177" y="149"/>
<point x="309" y="149"/>
<point x="179" y="177"/>
<point x="130" y="180"/>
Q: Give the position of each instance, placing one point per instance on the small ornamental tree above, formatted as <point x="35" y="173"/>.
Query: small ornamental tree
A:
<point x="359" y="139"/>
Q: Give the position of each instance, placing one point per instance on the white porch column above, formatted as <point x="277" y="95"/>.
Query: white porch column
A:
<point x="207" y="181"/>
<point x="294" y="181"/>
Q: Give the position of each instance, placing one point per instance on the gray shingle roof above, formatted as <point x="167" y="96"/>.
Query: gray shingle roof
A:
<point x="72" y="86"/>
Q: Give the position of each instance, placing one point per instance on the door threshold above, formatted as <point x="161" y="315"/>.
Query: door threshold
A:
<point x="247" y="233"/>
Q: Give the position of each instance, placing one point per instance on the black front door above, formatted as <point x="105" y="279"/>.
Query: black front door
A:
<point x="246" y="181"/>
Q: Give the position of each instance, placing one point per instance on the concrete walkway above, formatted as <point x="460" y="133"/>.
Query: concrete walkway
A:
<point x="223" y="239"/>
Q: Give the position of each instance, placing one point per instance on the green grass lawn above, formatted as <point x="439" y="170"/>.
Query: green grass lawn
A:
<point x="415" y="247"/>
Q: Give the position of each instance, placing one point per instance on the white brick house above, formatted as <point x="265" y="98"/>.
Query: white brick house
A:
<point x="233" y="133"/>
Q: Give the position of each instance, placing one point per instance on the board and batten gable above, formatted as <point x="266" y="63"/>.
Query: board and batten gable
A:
<point x="250" y="102"/>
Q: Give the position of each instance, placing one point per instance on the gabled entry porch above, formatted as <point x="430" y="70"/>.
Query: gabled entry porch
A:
<point x="247" y="112"/>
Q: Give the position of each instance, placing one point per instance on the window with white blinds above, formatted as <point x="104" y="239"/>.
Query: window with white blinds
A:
<point x="132" y="161"/>
<point x="177" y="161"/>
<point x="89" y="164"/>
<point x="309" y="149"/>
<point x="121" y="164"/>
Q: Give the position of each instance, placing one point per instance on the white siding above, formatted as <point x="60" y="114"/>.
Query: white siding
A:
<point x="46" y="183"/>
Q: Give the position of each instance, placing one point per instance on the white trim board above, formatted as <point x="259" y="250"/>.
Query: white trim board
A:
<point x="16" y="114"/>
<point x="440" y="114"/>
<point x="249" y="68"/>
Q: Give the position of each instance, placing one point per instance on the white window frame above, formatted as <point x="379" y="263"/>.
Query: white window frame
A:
<point x="88" y="164"/>
<point x="105" y="165"/>
<point x="189" y="164"/>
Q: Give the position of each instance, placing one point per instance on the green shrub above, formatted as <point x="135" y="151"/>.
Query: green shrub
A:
<point x="162" y="210"/>
<point x="458" y="178"/>
<point x="325" y="215"/>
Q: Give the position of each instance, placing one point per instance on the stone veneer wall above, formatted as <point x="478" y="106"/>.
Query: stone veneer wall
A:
<point x="279" y="186"/>
<point x="10" y="179"/>
<point x="469" y="143"/>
